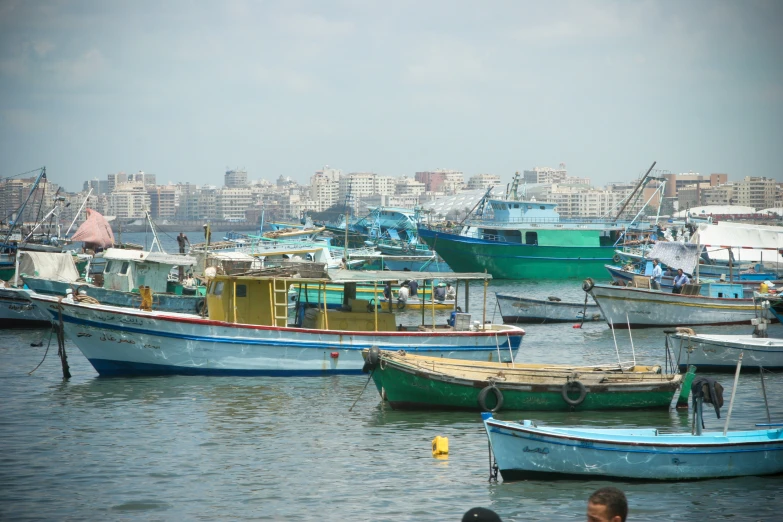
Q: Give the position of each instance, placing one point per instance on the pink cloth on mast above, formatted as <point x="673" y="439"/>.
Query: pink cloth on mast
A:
<point x="95" y="230"/>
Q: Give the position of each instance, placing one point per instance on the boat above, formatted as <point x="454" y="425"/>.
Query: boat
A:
<point x="625" y="276"/>
<point x="18" y="311"/>
<point x="515" y="309"/>
<point x="119" y="285"/>
<point x="517" y="239"/>
<point x="717" y="353"/>
<point x="409" y="381"/>
<point x="629" y="307"/>
<point x="245" y="330"/>
<point x="525" y="450"/>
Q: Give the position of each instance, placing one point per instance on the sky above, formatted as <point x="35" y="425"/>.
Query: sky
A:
<point x="189" y="89"/>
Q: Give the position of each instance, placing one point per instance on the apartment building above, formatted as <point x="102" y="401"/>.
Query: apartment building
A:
<point x="483" y="181"/>
<point x="235" y="178"/>
<point x="164" y="200"/>
<point x="409" y="187"/>
<point x="325" y="188"/>
<point x="441" y="180"/>
<point x="231" y="203"/>
<point x="757" y="192"/>
<point x="674" y="182"/>
<point x="129" y="200"/>
<point x="545" y="175"/>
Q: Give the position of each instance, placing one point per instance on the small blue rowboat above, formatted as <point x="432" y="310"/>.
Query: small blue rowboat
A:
<point x="525" y="450"/>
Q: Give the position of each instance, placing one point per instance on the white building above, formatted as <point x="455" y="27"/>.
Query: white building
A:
<point x="129" y="200"/>
<point x="231" y="203"/>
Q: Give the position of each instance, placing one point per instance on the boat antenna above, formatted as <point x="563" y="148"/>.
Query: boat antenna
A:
<point x="635" y="190"/>
<point x="617" y="350"/>
<point x="733" y="392"/>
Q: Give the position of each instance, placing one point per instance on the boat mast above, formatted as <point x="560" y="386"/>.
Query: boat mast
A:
<point x="20" y="211"/>
<point x="635" y="190"/>
<point x="81" y="207"/>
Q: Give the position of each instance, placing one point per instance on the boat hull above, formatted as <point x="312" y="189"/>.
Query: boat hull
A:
<point x="640" y="308"/>
<point x="516" y="310"/>
<point x="522" y="451"/>
<point x="120" y="341"/>
<point x="165" y="302"/>
<point x="18" y="311"/>
<point x="721" y="352"/>
<point x="518" y="261"/>
<point x="409" y="388"/>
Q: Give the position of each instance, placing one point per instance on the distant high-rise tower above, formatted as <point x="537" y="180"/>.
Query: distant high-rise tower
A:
<point x="236" y="178"/>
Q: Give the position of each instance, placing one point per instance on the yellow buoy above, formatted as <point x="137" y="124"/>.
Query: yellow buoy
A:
<point x="763" y="288"/>
<point x="440" y="446"/>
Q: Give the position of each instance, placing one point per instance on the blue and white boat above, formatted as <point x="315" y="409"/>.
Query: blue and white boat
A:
<point x="247" y="331"/>
<point x="526" y="450"/>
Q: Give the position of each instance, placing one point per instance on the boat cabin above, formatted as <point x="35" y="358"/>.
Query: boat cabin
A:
<point x="266" y="299"/>
<point x="127" y="270"/>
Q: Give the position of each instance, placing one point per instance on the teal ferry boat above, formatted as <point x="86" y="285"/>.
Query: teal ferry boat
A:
<point x="517" y="239"/>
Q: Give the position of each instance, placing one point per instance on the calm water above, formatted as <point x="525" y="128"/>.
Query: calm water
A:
<point x="223" y="448"/>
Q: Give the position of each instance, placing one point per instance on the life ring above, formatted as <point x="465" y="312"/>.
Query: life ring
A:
<point x="617" y="258"/>
<point x="201" y="304"/>
<point x="482" y="398"/>
<point x="588" y="284"/>
<point x="568" y="387"/>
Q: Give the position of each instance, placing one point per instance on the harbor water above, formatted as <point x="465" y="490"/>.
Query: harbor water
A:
<point x="261" y="448"/>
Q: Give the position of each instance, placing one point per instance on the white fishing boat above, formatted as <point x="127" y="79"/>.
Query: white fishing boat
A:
<point x="246" y="331"/>
<point x="625" y="307"/>
<point x="515" y="309"/>
<point x="719" y="352"/>
<point x="18" y="311"/>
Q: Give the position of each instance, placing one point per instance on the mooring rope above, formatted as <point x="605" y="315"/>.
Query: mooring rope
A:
<point x="61" y="341"/>
<point x="51" y="330"/>
<point x="361" y="392"/>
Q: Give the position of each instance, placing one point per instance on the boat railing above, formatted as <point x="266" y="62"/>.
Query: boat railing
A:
<point x="543" y="221"/>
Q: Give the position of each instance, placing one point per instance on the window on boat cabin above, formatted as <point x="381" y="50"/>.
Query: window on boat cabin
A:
<point x="516" y="205"/>
<point x="531" y="238"/>
<point x="217" y="288"/>
<point x="241" y="290"/>
<point x="109" y="267"/>
<point x="124" y="267"/>
<point x="542" y="207"/>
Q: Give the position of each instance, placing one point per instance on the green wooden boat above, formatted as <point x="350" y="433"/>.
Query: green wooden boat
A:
<point x="414" y="382"/>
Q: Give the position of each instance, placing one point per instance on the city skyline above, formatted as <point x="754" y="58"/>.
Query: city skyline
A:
<point x="186" y="90"/>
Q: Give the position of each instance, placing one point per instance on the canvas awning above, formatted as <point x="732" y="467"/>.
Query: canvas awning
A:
<point x="676" y="255"/>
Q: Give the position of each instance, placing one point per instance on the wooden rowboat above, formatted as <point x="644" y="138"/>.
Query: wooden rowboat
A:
<point x="417" y="382"/>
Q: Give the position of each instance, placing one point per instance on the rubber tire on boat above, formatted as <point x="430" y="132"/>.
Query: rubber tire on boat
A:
<point x="482" y="398"/>
<point x="588" y="284"/>
<point x="400" y="305"/>
<point x="200" y="305"/>
<point x="373" y="359"/>
<point x="293" y="298"/>
<point x="76" y="292"/>
<point x="582" y="393"/>
<point x="617" y="258"/>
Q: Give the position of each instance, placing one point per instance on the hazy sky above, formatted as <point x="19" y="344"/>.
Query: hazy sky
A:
<point x="184" y="89"/>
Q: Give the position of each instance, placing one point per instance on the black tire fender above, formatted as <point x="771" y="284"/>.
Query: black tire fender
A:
<point x="201" y="305"/>
<point x="617" y="258"/>
<point x="571" y="385"/>
<point x="588" y="284"/>
<point x="482" y="398"/>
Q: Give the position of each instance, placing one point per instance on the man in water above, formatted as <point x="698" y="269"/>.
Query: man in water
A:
<point x="607" y="505"/>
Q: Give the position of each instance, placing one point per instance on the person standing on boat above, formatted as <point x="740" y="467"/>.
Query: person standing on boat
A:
<point x="657" y="275"/>
<point x="414" y="288"/>
<point x="607" y="505"/>
<point x="403" y="293"/>
<point x="387" y="291"/>
<point x="679" y="280"/>
<point x="181" y="240"/>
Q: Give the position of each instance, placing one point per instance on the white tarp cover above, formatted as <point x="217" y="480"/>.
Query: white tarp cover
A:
<point x="48" y="265"/>
<point x="676" y="255"/>
<point x="750" y="243"/>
